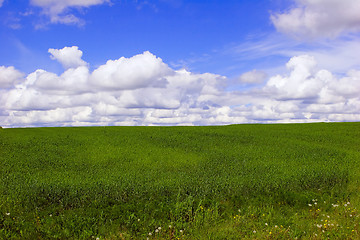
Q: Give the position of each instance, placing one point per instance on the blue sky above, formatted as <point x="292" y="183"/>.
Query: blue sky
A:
<point x="178" y="62"/>
<point x="187" y="33"/>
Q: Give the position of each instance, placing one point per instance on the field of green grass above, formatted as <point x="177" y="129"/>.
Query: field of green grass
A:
<point x="280" y="181"/>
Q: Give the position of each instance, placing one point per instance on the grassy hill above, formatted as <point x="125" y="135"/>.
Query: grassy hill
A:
<point x="281" y="181"/>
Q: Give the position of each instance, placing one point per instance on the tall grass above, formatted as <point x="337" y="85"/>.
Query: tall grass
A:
<point x="225" y="182"/>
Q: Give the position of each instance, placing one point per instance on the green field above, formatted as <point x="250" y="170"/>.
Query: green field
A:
<point x="281" y="181"/>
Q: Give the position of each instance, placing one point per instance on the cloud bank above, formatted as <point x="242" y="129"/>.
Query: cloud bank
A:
<point x="311" y="19"/>
<point x="143" y="90"/>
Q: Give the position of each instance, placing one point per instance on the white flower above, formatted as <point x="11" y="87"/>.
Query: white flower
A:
<point x="7" y="213"/>
<point x="335" y="205"/>
<point x="276" y="226"/>
<point x="138" y="219"/>
<point x="310" y="204"/>
<point x="156" y="230"/>
<point x="266" y="224"/>
<point x="159" y="228"/>
<point x="150" y="233"/>
<point x="181" y="230"/>
<point x="254" y="231"/>
<point x="169" y="226"/>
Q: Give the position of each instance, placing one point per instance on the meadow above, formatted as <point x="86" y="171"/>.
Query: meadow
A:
<point x="251" y="181"/>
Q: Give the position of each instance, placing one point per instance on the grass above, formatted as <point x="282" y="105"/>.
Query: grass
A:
<point x="281" y="181"/>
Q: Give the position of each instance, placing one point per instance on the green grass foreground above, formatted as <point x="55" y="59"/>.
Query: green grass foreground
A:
<point x="281" y="181"/>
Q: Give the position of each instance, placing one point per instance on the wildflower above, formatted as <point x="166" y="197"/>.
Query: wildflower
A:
<point x="181" y="230"/>
<point x="50" y="215"/>
<point x="138" y="219"/>
<point x="7" y="213"/>
<point x="335" y="205"/>
<point x="97" y="238"/>
<point x="156" y="230"/>
<point x="254" y="231"/>
<point x="319" y="225"/>
<point x="310" y="204"/>
<point x="276" y="226"/>
<point x="266" y="224"/>
<point x="169" y="226"/>
<point x="150" y="233"/>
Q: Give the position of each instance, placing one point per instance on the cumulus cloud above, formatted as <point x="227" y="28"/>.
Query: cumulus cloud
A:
<point x="253" y="77"/>
<point x="316" y="90"/>
<point x="9" y="76"/>
<point x="302" y="83"/>
<point x="69" y="57"/>
<point x="139" y="71"/>
<point x="143" y="90"/>
<point x="57" y="11"/>
<point x="320" y="18"/>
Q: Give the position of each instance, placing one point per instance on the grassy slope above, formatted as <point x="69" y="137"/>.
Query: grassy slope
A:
<point x="248" y="181"/>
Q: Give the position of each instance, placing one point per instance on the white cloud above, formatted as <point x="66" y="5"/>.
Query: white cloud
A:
<point x="253" y="77"/>
<point x="69" y="57"/>
<point x="319" y="18"/>
<point x="9" y="76"/>
<point x="302" y="83"/>
<point x="1" y="2"/>
<point x="143" y="70"/>
<point x="143" y="90"/>
<point x="57" y="10"/>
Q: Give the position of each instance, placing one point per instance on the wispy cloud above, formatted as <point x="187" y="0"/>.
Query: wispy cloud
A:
<point x="60" y="11"/>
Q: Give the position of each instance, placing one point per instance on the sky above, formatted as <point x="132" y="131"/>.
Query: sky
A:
<point x="178" y="62"/>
